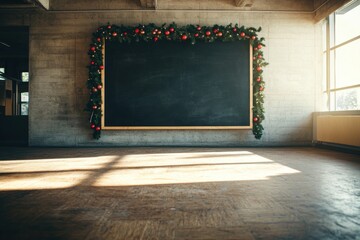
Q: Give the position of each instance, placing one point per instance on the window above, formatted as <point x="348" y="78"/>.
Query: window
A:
<point x="341" y="50"/>
<point x="2" y="70"/>
<point x="25" y="76"/>
<point x="24" y="103"/>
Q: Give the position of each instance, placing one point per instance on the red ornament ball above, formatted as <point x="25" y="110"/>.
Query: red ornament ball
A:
<point x="92" y="126"/>
<point x="242" y="34"/>
<point x="259" y="46"/>
<point x="234" y="29"/>
<point x="167" y="33"/>
<point x="207" y="33"/>
<point x="137" y="30"/>
<point x="253" y="37"/>
<point x="99" y="87"/>
<point x="94" y="89"/>
<point x="101" y="67"/>
<point x="171" y="29"/>
<point x="198" y="28"/>
<point x="92" y="62"/>
<point x="183" y="37"/>
<point x="155" y="39"/>
<point x="93" y="48"/>
<point x="109" y="26"/>
<point x="258" y="79"/>
<point x="219" y="34"/>
<point x="114" y="34"/>
<point x="259" y="56"/>
<point x="98" y="39"/>
<point x="196" y="34"/>
<point x="154" y="32"/>
<point x="94" y="107"/>
<point x="216" y="30"/>
<point x="98" y="128"/>
<point x="258" y="69"/>
<point x="256" y="119"/>
<point x="255" y="49"/>
<point x="159" y="32"/>
<point x="261" y="88"/>
<point x="142" y="32"/>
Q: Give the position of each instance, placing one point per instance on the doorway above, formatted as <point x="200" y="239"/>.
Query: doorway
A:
<point x="14" y="86"/>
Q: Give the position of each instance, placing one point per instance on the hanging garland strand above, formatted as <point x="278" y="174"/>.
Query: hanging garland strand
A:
<point x="189" y="33"/>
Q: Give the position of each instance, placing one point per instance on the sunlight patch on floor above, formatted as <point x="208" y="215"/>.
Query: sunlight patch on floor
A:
<point x="138" y="169"/>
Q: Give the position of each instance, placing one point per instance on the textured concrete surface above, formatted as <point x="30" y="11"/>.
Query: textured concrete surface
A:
<point x="179" y="193"/>
<point x="58" y="73"/>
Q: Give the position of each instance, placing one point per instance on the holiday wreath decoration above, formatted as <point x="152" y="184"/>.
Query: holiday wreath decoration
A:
<point x="189" y="33"/>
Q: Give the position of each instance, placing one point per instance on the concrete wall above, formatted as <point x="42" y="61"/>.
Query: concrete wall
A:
<point x="58" y="73"/>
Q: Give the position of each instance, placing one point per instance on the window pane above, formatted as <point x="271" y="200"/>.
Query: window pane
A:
<point x="347" y="24"/>
<point x="347" y="64"/>
<point x="324" y="24"/>
<point x="332" y="69"/>
<point x="2" y="70"/>
<point x="24" y="109"/>
<point x="25" y="76"/>
<point x="332" y="101"/>
<point x="324" y="73"/>
<point x="324" y="102"/>
<point x="348" y="99"/>
<point x="24" y="97"/>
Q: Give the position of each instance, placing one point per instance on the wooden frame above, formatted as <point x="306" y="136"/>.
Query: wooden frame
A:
<point x="103" y="127"/>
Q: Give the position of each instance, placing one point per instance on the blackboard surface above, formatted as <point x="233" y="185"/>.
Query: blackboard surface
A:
<point x="177" y="84"/>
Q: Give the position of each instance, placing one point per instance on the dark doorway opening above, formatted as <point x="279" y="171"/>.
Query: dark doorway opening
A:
<point x="14" y="86"/>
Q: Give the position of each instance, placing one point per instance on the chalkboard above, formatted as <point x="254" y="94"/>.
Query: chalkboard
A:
<point x="170" y="84"/>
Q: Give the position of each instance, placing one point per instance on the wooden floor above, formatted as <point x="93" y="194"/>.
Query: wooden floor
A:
<point x="179" y="193"/>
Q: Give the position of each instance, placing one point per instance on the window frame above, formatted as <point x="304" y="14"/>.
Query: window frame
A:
<point x="331" y="72"/>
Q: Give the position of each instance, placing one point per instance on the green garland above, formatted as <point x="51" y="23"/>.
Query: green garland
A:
<point x="189" y="33"/>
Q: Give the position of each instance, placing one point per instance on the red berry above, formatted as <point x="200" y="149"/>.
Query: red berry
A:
<point x="101" y="67"/>
<point x="98" y="39"/>
<point x="256" y="119"/>
<point x="196" y="34"/>
<point x="93" y="48"/>
<point x="167" y="33"/>
<point x="259" y="46"/>
<point x="198" y="28"/>
<point x="258" y="69"/>
<point x="92" y="126"/>
<point x="234" y="29"/>
<point x="207" y="33"/>
<point x="171" y="29"/>
<point x="258" y="79"/>
<point x="183" y="37"/>
<point x="242" y="34"/>
<point x="98" y="128"/>
<point x="114" y="34"/>
<point x="155" y="39"/>
<point x="94" y="107"/>
<point x="137" y="30"/>
<point x="99" y="87"/>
